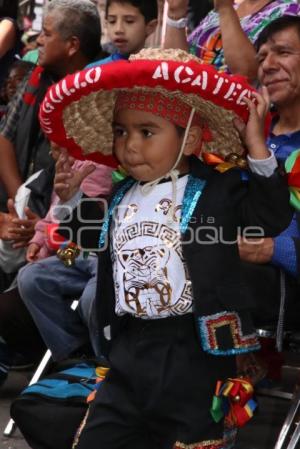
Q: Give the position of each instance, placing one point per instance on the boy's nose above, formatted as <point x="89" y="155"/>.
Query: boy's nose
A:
<point x="131" y="145"/>
<point x="119" y="28"/>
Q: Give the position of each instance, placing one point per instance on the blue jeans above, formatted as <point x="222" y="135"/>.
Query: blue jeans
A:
<point x="48" y="288"/>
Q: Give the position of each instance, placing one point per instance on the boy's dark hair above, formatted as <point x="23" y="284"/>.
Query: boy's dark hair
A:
<point x="280" y="24"/>
<point x="148" y="8"/>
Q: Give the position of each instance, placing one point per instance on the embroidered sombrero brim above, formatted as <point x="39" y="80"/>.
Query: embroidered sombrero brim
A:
<point x="77" y="112"/>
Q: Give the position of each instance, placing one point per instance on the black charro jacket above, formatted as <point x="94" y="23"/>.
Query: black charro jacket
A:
<point x="228" y="205"/>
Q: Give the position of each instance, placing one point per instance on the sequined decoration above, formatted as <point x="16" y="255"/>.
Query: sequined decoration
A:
<point x="208" y="326"/>
<point x="114" y="202"/>
<point x="192" y="193"/>
<point x="209" y="444"/>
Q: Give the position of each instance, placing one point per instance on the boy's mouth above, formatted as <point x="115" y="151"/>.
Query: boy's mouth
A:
<point x="134" y="164"/>
<point x="120" y="42"/>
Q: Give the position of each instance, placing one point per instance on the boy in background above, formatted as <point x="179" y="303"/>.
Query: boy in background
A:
<point x="129" y="24"/>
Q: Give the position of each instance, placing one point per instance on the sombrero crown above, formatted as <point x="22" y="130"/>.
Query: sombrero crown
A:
<point x="77" y="112"/>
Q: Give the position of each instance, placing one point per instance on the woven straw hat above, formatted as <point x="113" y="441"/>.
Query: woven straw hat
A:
<point x="77" y="112"/>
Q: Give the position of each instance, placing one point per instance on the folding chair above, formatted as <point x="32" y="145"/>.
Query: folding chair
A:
<point x="11" y="425"/>
<point x="288" y="424"/>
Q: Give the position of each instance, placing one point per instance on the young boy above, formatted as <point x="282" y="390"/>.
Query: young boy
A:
<point x="129" y="23"/>
<point x="171" y="304"/>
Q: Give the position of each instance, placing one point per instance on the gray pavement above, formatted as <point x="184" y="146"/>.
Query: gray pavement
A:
<point x="260" y="433"/>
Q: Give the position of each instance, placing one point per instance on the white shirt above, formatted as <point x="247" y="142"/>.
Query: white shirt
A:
<point x="151" y="279"/>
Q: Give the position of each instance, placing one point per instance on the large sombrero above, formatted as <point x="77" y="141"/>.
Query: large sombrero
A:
<point x="77" y="112"/>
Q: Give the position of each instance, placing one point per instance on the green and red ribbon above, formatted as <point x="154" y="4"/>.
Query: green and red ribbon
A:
<point x="233" y="399"/>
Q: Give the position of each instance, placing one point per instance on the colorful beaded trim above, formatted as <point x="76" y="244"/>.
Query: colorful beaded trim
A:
<point x="208" y="326"/>
<point x="209" y="444"/>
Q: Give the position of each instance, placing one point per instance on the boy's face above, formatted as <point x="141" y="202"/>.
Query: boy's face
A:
<point x="127" y="28"/>
<point x="147" y="146"/>
<point x="15" y="76"/>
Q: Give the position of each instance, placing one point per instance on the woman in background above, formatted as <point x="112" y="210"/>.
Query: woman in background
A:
<point x="225" y="37"/>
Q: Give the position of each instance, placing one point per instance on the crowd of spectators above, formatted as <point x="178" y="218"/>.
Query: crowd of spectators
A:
<point x="259" y="39"/>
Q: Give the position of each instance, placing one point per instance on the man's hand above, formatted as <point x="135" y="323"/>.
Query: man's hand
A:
<point x="15" y="229"/>
<point x="177" y="8"/>
<point x="6" y="220"/>
<point x="32" y="252"/>
<point x="21" y="230"/>
<point x="252" y="134"/>
<point x="256" y="250"/>
<point x="67" y="181"/>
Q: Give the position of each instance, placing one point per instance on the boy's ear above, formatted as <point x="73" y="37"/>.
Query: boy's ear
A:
<point x="193" y="141"/>
<point x="151" y="26"/>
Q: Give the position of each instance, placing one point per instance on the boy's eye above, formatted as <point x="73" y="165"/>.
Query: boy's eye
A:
<point x="118" y="132"/>
<point x="129" y="21"/>
<point x="147" y="133"/>
<point x="111" y="21"/>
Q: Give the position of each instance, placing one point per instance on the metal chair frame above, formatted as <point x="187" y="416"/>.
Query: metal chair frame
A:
<point x="11" y="425"/>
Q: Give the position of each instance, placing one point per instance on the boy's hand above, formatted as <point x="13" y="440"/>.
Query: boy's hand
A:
<point x="256" y="251"/>
<point x="177" y="8"/>
<point x="67" y="181"/>
<point x="32" y="252"/>
<point x="252" y="134"/>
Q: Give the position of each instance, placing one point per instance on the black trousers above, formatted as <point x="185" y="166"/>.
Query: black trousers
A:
<point x="158" y="391"/>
